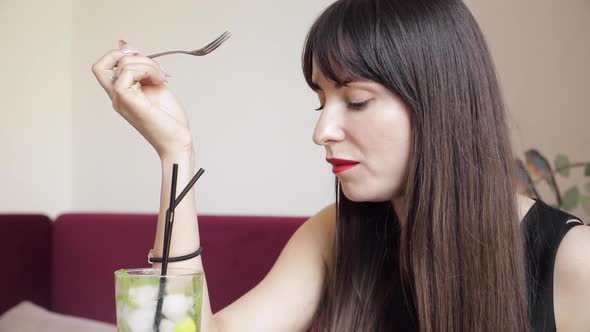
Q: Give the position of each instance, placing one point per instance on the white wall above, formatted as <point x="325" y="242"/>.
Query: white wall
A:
<point x="542" y="54"/>
<point x="250" y="110"/>
<point x="35" y="112"/>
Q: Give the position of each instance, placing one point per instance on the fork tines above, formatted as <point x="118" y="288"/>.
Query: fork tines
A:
<point x="201" y="51"/>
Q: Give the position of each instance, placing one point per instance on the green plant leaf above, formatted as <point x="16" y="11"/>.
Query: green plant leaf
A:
<point x="585" y="200"/>
<point x="571" y="199"/>
<point x="587" y="170"/>
<point x="562" y="165"/>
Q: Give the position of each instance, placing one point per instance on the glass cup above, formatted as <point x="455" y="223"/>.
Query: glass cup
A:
<point x="140" y="292"/>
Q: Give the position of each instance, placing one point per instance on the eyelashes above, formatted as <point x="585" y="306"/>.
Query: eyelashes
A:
<point x="358" y="106"/>
<point x="351" y="106"/>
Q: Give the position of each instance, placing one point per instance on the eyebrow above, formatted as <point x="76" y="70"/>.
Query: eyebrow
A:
<point x="316" y="87"/>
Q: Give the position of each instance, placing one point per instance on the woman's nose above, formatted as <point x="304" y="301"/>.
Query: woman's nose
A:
<point x="328" y="129"/>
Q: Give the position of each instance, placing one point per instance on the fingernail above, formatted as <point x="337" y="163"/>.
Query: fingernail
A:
<point x="126" y="48"/>
<point x="130" y="51"/>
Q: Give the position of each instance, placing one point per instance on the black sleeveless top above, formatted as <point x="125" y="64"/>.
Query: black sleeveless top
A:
<point x="543" y="227"/>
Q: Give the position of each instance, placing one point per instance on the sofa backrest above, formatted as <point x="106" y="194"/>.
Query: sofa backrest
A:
<point x="88" y="248"/>
<point x="25" y="244"/>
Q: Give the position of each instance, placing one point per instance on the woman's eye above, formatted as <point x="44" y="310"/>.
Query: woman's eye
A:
<point x="350" y="105"/>
<point x="358" y="106"/>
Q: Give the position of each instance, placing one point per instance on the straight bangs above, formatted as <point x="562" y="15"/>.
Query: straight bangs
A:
<point x="343" y="45"/>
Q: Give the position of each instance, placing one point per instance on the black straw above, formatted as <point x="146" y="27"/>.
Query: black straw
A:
<point x="169" y="220"/>
<point x="189" y="186"/>
<point x="166" y="253"/>
<point x="168" y="236"/>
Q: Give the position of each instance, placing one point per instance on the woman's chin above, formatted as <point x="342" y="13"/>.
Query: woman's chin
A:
<point x="359" y="196"/>
<point x="367" y="194"/>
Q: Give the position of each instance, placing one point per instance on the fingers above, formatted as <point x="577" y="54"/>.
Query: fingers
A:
<point x="130" y="78"/>
<point x="103" y="69"/>
<point x="139" y="63"/>
<point x="113" y="63"/>
<point x="127" y="93"/>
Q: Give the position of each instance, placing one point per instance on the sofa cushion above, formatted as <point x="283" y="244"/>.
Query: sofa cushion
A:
<point x="25" y="241"/>
<point x="28" y="317"/>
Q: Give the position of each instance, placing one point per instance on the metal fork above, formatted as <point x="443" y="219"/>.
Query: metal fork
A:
<point x="201" y="51"/>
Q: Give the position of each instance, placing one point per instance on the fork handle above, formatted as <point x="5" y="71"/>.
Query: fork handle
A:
<point x="151" y="56"/>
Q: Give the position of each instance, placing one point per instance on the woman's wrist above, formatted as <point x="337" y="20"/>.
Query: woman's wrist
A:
<point x="179" y="156"/>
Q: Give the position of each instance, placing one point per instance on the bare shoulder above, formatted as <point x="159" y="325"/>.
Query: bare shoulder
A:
<point x="573" y="256"/>
<point x="323" y="227"/>
<point x="572" y="280"/>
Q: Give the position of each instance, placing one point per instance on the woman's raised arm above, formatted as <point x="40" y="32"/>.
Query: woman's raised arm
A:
<point x="287" y="298"/>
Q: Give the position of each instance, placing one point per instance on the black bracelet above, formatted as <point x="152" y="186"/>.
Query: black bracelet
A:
<point x="152" y="259"/>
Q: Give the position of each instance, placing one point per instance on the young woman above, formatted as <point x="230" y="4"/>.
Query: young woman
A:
<point x="427" y="233"/>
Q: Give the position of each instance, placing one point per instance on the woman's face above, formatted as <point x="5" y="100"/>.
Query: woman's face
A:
<point x="369" y="129"/>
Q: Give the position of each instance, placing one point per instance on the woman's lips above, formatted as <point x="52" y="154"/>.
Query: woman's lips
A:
<point x="341" y="165"/>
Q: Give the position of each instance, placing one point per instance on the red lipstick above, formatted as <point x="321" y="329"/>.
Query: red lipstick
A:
<point x="341" y="165"/>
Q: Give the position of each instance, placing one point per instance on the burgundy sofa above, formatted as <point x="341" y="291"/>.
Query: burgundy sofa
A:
<point x="67" y="266"/>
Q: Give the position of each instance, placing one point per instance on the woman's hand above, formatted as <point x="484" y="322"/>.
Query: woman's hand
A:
<point x="136" y="86"/>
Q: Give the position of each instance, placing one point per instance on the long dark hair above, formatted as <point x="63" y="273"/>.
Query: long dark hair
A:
<point x="455" y="260"/>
